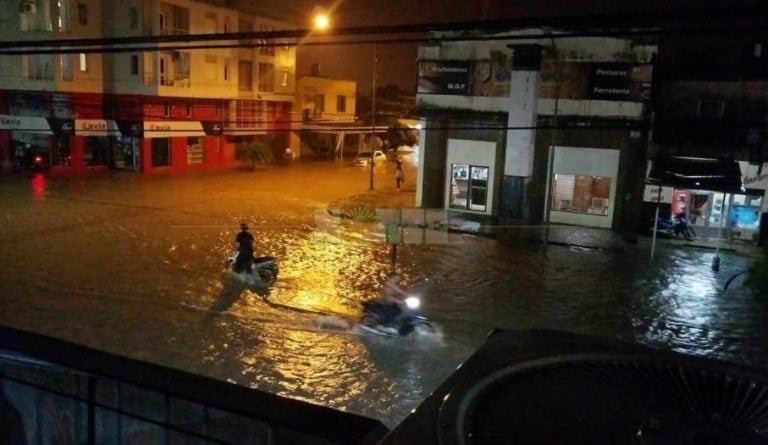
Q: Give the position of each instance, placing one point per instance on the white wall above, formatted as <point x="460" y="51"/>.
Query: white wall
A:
<point x="590" y="162"/>
<point x="478" y="153"/>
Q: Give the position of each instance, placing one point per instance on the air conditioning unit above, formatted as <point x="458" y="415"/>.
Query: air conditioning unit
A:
<point x="29" y="7"/>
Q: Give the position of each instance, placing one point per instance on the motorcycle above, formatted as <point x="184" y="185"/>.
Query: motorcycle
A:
<point x="383" y="318"/>
<point x="264" y="267"/>
<point x="673" y="227"/>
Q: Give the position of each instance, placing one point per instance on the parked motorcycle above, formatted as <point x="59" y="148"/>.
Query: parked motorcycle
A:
<point x="676" y="226"/>
<point x="264" y="267"/>
<point x="384" y="318"/>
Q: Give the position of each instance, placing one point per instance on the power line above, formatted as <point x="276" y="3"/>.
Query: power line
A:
<point x="419" y="33"/>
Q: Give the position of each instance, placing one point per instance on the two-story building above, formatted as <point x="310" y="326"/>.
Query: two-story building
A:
<point x="327" y="108"/>
<point x="711" y="103"/>
<point x="150" y="110"/>
<point x="529" y="129"/>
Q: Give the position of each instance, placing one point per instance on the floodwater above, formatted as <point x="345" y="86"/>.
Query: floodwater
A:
<point x="134" y="266"/>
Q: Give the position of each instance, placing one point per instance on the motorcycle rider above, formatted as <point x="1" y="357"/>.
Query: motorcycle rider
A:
<point x="393" y="299"/>
<point x="244" y="260"/>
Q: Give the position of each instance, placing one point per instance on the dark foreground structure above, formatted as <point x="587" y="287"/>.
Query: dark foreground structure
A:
<point x="521" y="387"/>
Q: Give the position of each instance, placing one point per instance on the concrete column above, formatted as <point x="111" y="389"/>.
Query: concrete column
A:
<point x="521" y="132"/>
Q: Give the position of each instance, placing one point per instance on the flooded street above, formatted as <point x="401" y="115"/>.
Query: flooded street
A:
<point x="135" y="266"/>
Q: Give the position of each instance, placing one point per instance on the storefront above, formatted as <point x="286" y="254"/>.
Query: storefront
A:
<point x="173" y="144"/>
<point x="470" y="168"/>
<point x="711" y="194"/>
<point x="583" y="186"/>
<point x="30" y="140"/>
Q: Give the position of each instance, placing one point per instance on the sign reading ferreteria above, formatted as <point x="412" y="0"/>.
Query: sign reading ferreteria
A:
<point x="612" y="81"/>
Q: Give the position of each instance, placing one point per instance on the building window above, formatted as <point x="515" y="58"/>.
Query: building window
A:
<point x="37" y="66"/>
<point x="266" y="77"/>
<point x="227" y="27"/>
<point x="194" y="150"/>
<point x="96" y="150"/>
<point x="210" y="67"/>
<point x="82" y="13"/>
<point x="226" y="69"/>
<point x="284" y="81"/>
<point x="711" y="109"/>
<point x="161" y="152"/>
<point x="83" y="62"/>
<point x="341" y="104"/>
<point x="163" y="24"/>
<point x="166" y="109"/>
<point x="189" y="109"/>
<point x="319" y="106"/>
<point x="63" y="18"/>
<point x="264" y="49"/>
<point x="133" y="18"/>
<point x="244" y="26"/>
<point x="134" y="64"/>
<point x="581" y="194"/>
<point x="245" y="76"/>
<point x="469" y="187"/>
<point x="66" y="66"/>
<point x="758" y="50"/>
<point x="209" y="24"/>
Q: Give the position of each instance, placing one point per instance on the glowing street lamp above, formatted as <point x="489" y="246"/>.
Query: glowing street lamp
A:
<point x="321" y="21"/>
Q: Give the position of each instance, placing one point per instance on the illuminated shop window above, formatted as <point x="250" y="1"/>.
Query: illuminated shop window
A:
<point x="469" y="187"/>
<point x="581" y="194"/>
<point x="194" y="150"/>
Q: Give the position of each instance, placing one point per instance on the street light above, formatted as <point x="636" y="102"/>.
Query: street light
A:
<point x="321" y="21"/>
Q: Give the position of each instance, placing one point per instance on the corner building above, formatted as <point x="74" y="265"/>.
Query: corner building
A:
<point x="150" y="111"/>
<point x="520" y="130"/>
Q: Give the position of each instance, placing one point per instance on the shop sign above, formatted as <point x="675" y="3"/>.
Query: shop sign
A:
<point x="96" y="127"/>
<point x="613" y="81"/>
<point x="444" y="77"/>
<point x="651" y="194"/>
<point x="753" y="176"/>
<point x="756" y="181"/>
<point x="169" y="129"/>
<point x="29" y="124"/>
<point x="213" y="128"/>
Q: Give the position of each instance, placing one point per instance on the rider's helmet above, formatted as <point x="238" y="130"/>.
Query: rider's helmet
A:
<point x="243" y="226"/>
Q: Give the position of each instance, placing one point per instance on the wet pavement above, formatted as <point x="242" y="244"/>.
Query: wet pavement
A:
<point x="134" y="266"/>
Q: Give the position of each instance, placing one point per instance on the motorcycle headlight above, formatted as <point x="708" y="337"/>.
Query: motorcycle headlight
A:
<point x="412" y="302"/>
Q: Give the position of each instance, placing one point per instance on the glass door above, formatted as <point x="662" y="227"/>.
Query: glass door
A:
<point x="469" y="187"/>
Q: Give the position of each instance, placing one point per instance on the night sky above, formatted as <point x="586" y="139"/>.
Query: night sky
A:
<point x="397" y="62"/>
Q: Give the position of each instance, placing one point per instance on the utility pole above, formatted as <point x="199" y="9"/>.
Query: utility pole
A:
<point x="373" y="118"/>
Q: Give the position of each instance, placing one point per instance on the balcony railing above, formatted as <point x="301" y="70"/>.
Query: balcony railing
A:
<point x="52" y="390"/>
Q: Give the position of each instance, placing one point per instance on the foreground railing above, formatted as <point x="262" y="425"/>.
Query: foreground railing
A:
<point x="53" y="392"/>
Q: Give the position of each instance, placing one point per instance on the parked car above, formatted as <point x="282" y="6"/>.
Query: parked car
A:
<point x="364" y="157"/>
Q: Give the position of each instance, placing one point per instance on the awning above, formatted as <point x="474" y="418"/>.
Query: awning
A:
<point x="697" y="173"/>
<point x="169" y="129"/>
<point x="96" y="127"/>
<point x="27" y="124"/>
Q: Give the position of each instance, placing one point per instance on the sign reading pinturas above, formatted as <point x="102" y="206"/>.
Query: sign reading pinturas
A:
<point x="611" y="81"/>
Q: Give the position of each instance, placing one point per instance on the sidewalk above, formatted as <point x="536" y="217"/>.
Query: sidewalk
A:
<point x="575" y="236"/>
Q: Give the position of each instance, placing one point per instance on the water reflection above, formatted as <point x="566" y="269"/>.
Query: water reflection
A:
<point x="135" y="267"/>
